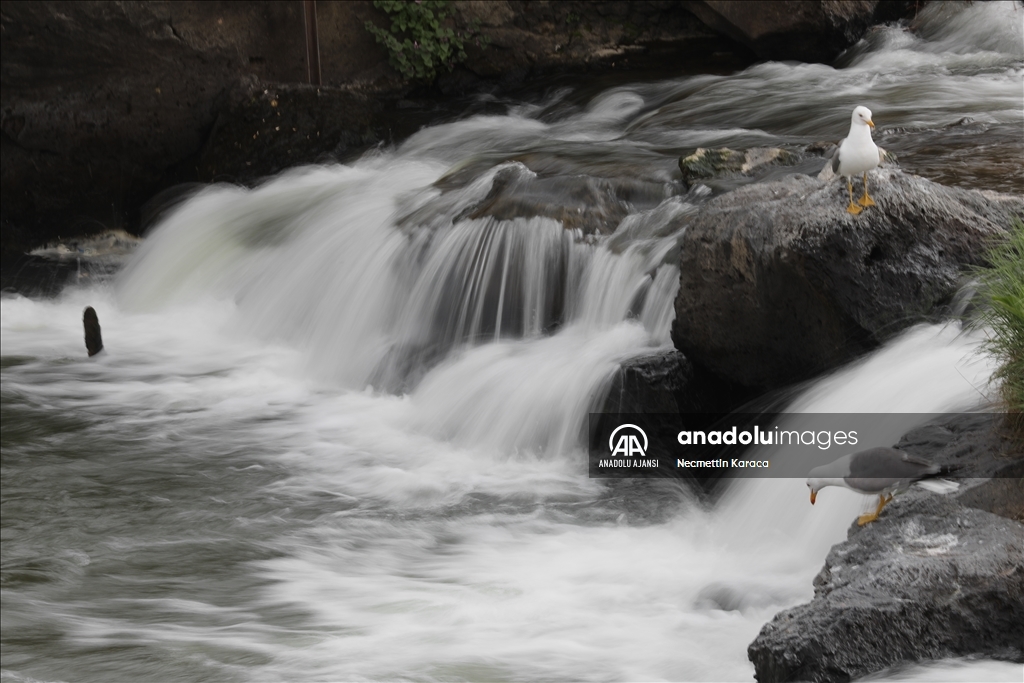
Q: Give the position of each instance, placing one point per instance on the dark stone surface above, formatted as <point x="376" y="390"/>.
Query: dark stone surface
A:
<point x="935" y="577"/>
<point x="800" y="30"/>
<point x="650" y="384"/>
<point x="531" y="37"/>
<point x="265" y="129"/>
<point x="93" y="335"/>
<point x="666" y="382"/>
<point x="778" y="283"/>
<point x="106" y="104"/>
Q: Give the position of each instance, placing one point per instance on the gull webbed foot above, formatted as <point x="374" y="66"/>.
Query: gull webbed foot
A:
<point x="854" y="209"/>
<point x="866" y="200"/>
<point x="867" y="517"/>
<point x="883" y="500"/>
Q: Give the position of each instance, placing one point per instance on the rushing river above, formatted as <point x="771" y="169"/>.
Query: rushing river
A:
<point x="335" y="432"/>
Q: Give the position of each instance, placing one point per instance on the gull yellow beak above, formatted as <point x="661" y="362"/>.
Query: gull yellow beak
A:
<point x="814" y="494"/>
<point x="871" y="123"/>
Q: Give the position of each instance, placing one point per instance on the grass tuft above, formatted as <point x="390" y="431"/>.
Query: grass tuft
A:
<point x="1002" y="291"/>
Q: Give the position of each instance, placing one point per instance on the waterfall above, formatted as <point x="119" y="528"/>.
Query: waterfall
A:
<point x="335" y="433"/>
<point x="378" y="276"/>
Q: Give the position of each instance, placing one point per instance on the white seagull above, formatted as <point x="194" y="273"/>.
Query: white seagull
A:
<point x="857" y="154"/>
<point x="876" y="471"/>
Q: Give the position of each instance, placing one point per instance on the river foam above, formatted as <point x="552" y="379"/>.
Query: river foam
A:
<point x="335" y="433"/>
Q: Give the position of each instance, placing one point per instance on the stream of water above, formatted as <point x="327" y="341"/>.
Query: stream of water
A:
<point x="335" y="434"/>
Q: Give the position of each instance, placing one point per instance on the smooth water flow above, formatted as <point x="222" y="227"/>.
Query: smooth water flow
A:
<point x="336" y="431"/>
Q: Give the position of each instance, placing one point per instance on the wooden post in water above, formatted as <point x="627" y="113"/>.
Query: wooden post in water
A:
<point x="312" y="41"/>
<point x="93" y="338"/>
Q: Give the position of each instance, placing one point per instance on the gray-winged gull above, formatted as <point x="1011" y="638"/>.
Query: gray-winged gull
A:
<point x="857" y="154"/>
<point x="875" y="471"/>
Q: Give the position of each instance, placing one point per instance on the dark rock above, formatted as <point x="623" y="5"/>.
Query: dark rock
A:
<point x="105" y="104"/>
<point x="804" y="31"/>
<point x="527" y="38"/>
<point x="934" y="577"/>
<point x="649" y="384"/>
<point x="931" y="581"/>
<point x="93" y="337"/>
<point x="778" y="283"/>
<point x="666" y="382"/>
<point x="265" y="129"/>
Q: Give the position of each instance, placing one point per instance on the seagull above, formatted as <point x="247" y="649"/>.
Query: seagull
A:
<point x="875" y="471"/>
<point x="857" y="154"/>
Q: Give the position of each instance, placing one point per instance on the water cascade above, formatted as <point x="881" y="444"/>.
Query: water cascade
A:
<point x="335" y="432"/>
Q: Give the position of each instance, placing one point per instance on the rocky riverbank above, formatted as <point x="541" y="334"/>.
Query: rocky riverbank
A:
<point x="778" y="283"/>
<point x="105" y="105"/>
<point x="936" y="576"/>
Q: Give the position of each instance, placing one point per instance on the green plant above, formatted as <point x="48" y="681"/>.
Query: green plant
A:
<point x="420" y="41"/>
<point x="1002" y="288"/>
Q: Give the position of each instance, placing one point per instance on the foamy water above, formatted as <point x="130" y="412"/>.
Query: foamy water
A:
<point x="335" y="433"/>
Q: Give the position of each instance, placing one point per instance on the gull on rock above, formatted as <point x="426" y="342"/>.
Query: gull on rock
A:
<point x="877" y="471"/>
<point x="857" y="154"/>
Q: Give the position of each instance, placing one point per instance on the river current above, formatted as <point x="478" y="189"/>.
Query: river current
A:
<point x="335" y="433"/>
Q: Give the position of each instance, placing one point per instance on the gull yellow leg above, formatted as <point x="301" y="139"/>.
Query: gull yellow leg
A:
<point x="866" y="200"/>
<point x="883" y="500"/>
<point x="852" y="208"/>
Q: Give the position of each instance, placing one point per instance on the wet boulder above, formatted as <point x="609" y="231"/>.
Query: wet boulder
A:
<point x="779" y="283"/>
<point x="936" y="580"/>
<point x="666" y="382"/>
<point x="649" y="384"/>
<point x="934" y="577"/>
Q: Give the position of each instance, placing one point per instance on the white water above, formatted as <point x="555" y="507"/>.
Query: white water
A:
<point x="335" y="433"/>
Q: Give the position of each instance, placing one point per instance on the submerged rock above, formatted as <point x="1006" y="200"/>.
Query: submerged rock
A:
<point x="778" y="283"/>
<point x="934" y="577"/>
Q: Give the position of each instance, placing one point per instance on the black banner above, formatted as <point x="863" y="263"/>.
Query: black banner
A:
<point x="710" y="446"/>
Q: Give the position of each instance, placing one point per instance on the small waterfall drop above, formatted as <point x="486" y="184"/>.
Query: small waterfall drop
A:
<point x="514" y="326"/>
<point x="335" y="434"/>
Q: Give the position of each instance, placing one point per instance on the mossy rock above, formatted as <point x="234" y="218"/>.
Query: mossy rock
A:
<point x="713" y="163"/>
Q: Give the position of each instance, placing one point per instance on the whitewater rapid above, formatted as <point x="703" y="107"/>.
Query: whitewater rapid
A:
<point x="335" y="433"/>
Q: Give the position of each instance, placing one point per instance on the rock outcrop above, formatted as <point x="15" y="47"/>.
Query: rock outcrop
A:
<point x="934" y="577"/>
<point x="805" y="31"/>
<point x="779" y="283"/>
<point x="105" y="104"/>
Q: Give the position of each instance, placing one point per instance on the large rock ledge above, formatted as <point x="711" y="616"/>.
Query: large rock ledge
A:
<point x="934" y="577"/>
<point x="779" y="283"/>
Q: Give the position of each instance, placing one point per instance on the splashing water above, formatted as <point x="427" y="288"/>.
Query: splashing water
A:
<point x="335" y="434"/>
